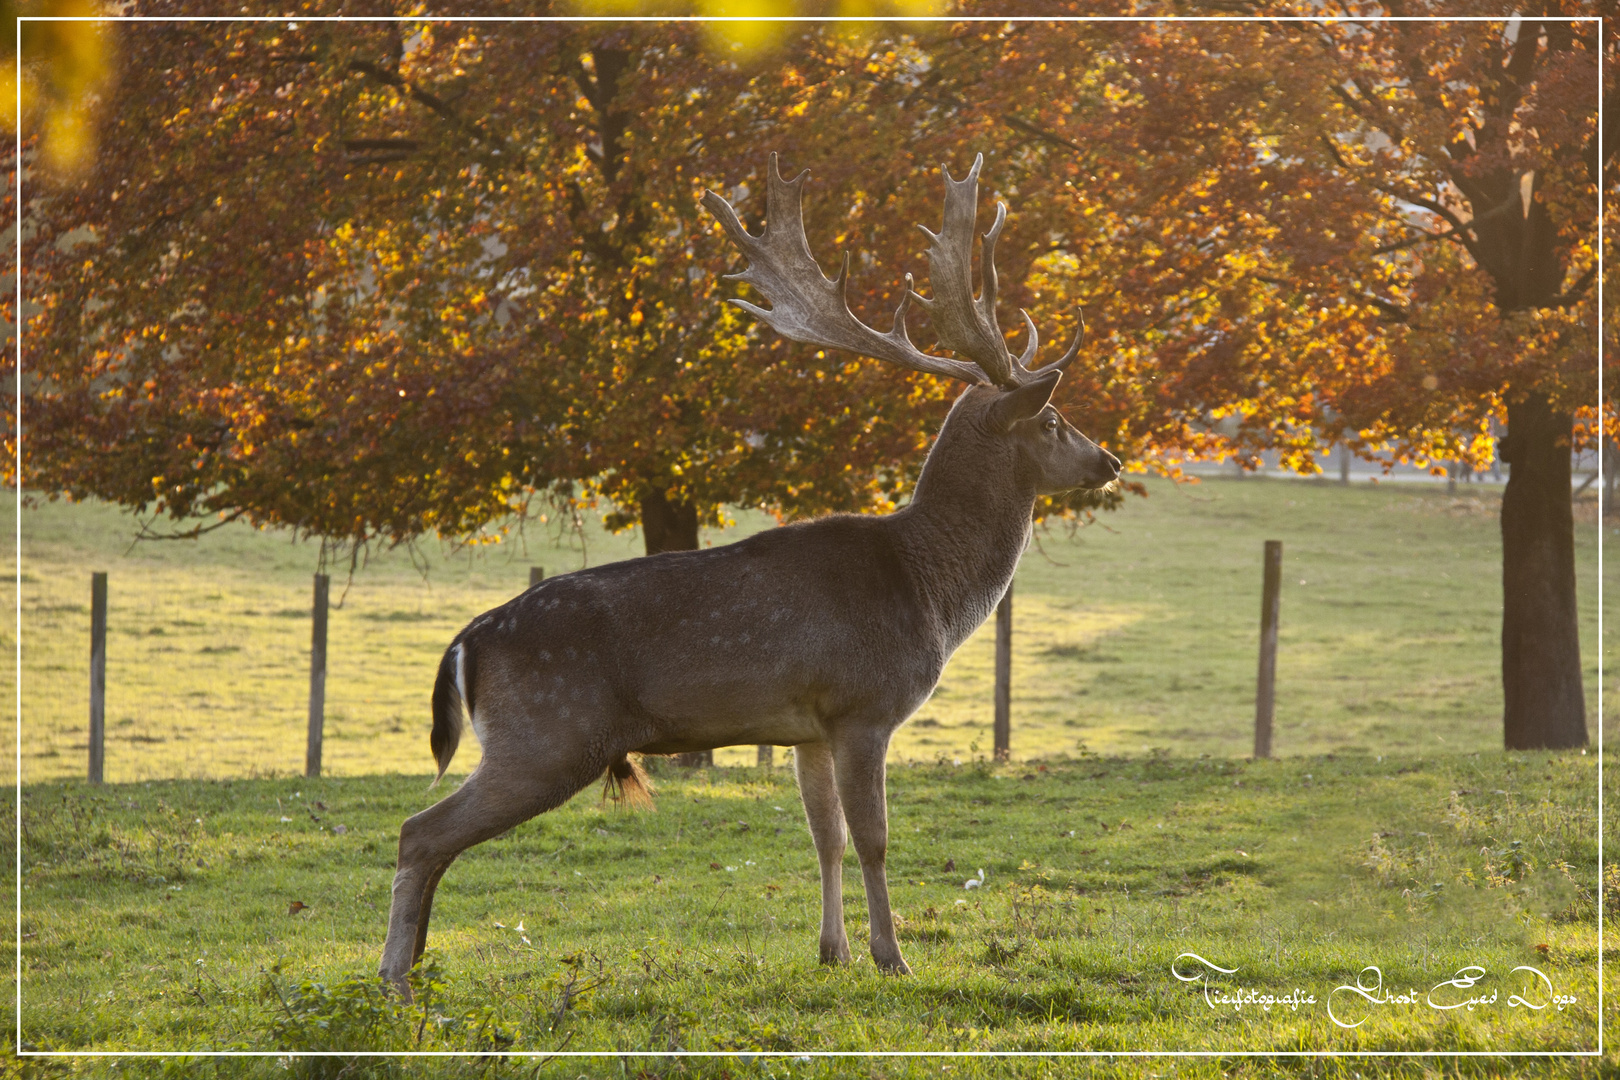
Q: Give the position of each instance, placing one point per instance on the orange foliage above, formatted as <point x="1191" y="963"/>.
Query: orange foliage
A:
<point x="374" y="280"/>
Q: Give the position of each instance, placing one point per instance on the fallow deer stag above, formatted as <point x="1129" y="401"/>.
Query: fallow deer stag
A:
<point x="823" y="636"/>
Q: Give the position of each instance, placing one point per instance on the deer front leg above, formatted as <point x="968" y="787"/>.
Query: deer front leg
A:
<point x="858" y="761"/>
<point x="813" y="763"/>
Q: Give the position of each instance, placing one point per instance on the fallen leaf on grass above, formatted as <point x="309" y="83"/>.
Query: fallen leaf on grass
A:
<point x="296" y="906"/>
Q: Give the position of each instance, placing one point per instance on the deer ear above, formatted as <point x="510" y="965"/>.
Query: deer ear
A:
<point x="1024" y="402"/>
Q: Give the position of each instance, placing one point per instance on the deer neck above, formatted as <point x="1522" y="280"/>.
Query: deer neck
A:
<point x="966" y="528"/>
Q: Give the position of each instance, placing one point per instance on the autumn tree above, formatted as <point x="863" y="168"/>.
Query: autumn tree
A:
<point x="1481" y="142"/>
<point x="1389" y="226"/>
<point x="311" y="253"/>
<point x="379" y="280"/>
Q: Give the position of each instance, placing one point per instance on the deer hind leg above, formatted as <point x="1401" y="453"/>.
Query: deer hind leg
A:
<point x="486" y="805"/>
<point x="813" y="762"/>
<point x="858" y="763"/>
<point x="426" y="913"/>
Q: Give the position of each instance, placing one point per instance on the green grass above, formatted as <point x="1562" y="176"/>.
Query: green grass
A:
<point x="156" y="915"/>
<point x="1384" y="835"/>
<point x="1137" y="632"/>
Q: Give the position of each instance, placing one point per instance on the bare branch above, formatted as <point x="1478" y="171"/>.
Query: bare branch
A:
<point x="437" y="104"/>
<point x="1396" y="312"/>
<point x="146" y="533"/>
<point x="1574" y="293"/>
<point x="1414" y="241"/>
<point x="1041" y="133"/>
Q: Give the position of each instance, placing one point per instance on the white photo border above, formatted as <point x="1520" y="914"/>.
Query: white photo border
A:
<point x="751" y="1055"/>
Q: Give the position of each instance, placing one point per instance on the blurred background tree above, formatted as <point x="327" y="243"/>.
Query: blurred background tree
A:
<point x="375" y="281"/>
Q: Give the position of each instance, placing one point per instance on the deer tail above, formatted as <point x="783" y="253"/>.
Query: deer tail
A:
<point x="627" y="784"/>
<point x="450" y="699"/>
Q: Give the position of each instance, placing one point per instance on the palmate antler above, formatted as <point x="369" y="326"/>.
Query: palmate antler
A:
<point x="806" y="306"/>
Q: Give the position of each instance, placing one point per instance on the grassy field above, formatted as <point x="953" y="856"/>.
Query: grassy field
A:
<point x="159" y="915"/>
<point x="1134" y="633"/>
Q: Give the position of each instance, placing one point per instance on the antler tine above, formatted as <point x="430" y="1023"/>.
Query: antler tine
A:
<point x="1067" y="358"/>
<point x="967" y="326"/>
<point x="1034" y="343"/>
<point x="806" y="305"/>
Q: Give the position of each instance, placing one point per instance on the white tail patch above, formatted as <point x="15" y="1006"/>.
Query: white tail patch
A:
<point x="461" y="673"/>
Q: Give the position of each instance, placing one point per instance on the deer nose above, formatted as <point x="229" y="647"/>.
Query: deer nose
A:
<point x="1111" y="463"/>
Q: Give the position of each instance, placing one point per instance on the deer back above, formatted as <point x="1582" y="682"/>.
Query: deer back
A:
<point x="770" y="639"/>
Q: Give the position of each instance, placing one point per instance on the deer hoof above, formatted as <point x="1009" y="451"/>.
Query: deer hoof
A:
<point x="400" y="985"/>
<point x="836" y="954"/>
<point x="894" y="967"/>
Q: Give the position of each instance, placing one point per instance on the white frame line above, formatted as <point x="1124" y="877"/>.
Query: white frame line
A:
<point x="17" y="1046"/>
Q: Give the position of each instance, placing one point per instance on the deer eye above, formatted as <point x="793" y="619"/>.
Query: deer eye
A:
<point x="1051" y="425"/>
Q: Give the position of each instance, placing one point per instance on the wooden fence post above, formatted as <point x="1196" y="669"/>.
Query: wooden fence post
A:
<point x="537" y="574"/>
<point x="98" y="675"/>
<point x="1003" y="734"/>
<point x="1265" y="698"/>
<point x="317" y="677"/>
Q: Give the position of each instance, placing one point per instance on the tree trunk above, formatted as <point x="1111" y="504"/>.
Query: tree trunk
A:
<point x="1545" y="706"/>
<point x="668" y="526"/>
